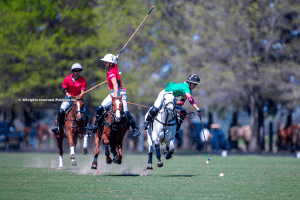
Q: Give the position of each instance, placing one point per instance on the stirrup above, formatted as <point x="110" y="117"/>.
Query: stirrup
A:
<point x="145" y="125"/>
<point x="136" y="132"/>
<point x="55" y="130"/>
<point x="92" y="128"/>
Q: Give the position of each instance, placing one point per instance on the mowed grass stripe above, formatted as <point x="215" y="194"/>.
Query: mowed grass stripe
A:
<point x="35" y="176"/>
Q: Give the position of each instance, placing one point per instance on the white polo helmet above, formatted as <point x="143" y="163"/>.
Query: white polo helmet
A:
<point x="76" y="66"/>
<point x="109" y="58"/>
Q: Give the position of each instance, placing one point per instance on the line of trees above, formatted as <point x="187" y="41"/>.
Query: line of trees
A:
<point x="246" y="52"/>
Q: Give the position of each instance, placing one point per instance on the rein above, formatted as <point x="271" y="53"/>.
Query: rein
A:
<point x="110" y="114"/>
<point x="177" y="111"/>
<point x="75" y="119"/>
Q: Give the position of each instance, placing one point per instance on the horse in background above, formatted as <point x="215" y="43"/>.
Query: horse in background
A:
<point x="43" y="135"/>
<point x="288" y="137"/>
<point x="74" y="124"/>
<point x="162" y="129"/>
<point x="112" y="133"/>
<point x="240" y="132"/>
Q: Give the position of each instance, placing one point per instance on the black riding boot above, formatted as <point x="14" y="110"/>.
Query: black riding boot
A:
<point x="98" y="120"/>
<point x="60" y="121"/>
<point x="152" y="112"/>
<point x="132" y="124"/>
<point x="182" y="115"/>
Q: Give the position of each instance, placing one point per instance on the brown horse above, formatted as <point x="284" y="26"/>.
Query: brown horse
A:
<point x="112" y="132"/>
<point x="288" y="137"/>
<point x="75" y="125"/>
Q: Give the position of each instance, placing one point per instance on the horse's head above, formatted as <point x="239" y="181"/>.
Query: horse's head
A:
<point x="169" y="103"/>
<point x="117" y="107"/>
<point x="77" y="107"/>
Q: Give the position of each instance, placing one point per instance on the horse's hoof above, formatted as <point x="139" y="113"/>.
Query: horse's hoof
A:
<point x="84" y="151"/>
<point x="150" y="166"/>
<point x="94" y="166"/>
<point x="72" y="156"/>
<point x="169" y="156"/>
<point x="160" y="164"/>
<point x="60" y="168"/>
<point x="108" y="160"/>
<point x="115" y="161"/>
<point x="74" y="163"/>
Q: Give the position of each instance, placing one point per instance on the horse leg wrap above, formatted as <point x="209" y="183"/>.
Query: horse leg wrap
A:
<point x="149" y="158"/>
<point x="114" y="152"/>
<point x="152" y="112"/>
<point x="86" y="121"/>
<point x="157" y="149"/>
<point x="95" y="159"/>
<point x="106" y="151"/>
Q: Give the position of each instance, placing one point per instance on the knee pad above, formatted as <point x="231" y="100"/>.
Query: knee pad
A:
<point x="99" y="110"/>
<point x="129" y="117"/>
<point x="153" y="111"/>
<point x="171" y="149"/>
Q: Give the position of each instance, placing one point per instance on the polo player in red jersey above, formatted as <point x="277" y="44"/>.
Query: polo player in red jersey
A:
<point x="116" y="89"/>
<point x="73" y="85"/>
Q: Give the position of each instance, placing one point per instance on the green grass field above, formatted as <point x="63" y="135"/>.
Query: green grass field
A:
<point x="35" y="176"/>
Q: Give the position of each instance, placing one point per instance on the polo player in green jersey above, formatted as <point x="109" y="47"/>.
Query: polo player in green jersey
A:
<point x="178" y="89"/>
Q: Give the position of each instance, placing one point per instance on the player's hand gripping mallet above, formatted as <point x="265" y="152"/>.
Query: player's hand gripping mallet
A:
<point x="135" y="32"/>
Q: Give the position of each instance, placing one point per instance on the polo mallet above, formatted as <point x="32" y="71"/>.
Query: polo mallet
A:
<point x="208" y="159"/>
<point x="135" y="31"/>
<point x="97" y="85"/>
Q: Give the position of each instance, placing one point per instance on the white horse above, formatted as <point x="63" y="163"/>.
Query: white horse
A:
<point x="162" y="129"/>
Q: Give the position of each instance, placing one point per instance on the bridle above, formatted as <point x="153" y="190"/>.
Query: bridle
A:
<point x="78" y="110"/>
<point x="113" y="123"/>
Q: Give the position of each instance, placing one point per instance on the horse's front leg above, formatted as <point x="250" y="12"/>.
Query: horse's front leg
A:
<point x="156" y="140"/>
<point x="59" y="139"/>
<point x="170" y="149"/>
<point x="85" y="144"/>
<point x="115" y="153"/>
<point x="119" y="155"/>
<point x="71" y="142"/>
<point x="150" y="151"/>
<point x="97" y="150"/>
<point x="108" y="158"/>
<point x="158" y="155"/>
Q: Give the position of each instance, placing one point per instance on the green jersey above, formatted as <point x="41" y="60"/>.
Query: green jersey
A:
<point x="178" y="89"/>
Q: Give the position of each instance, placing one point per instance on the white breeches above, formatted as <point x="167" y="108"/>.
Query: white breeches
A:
<point x="107" y="101"/>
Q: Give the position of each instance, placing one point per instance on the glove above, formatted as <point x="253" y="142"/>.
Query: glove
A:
<point x="199" y="111"/>
<point x="80" y="96"/>
<point x="69" y="97"/>
<point x="117" y="57"/>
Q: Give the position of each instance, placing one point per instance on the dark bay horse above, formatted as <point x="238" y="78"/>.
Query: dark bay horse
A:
<point x="75" y="125"/>
<point x="112" y="132"/>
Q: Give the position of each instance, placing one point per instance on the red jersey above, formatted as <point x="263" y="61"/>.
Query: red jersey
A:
<point x="74" y="88"/>
<point x="114" y="73"/>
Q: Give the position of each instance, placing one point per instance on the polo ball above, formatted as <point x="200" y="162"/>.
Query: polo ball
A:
<point x="221" y="174"/>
